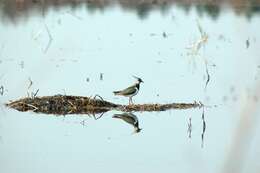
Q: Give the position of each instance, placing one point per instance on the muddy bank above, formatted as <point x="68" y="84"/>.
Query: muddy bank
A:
<point x="62" y="104"/>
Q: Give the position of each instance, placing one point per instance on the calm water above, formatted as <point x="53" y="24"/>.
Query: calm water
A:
<point x="65" y="51"/>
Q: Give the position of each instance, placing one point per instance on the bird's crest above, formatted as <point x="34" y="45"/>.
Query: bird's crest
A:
<point x="138" y="79"/>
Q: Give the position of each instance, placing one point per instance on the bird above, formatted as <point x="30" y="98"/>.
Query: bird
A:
<point x="130" y="119"/>
<point x="130" y="91"/>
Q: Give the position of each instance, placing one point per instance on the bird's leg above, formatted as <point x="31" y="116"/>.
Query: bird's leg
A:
<point x="131" y="100"/>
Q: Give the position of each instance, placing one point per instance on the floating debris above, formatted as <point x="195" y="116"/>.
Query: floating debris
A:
<point x="101" y="76"/>
<point x="83" y="122"/>
<point x="164" y="35"/>
<point x="62" y="104"/>
<point x="189" y="127"/>
<point x="195" y="47"/>
<point x="247" y="43"/>
<point x="2" y="90"/>
<point x="21" y="64"/>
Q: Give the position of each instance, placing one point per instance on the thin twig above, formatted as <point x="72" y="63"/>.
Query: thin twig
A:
<point x="98" y="97"/>
<point x="96" y="118"/>
<point x="13" y="104"/>
<point x="203" y="129"/>
<point x="83" y="122"/>
<point x="203" y="115"/>
<point x="30" y="83"/>
<point x="208" y="76"/>
<point x="73" y="106"/>
<point x="34" y="95"/>
<point x="50" y="38"/>
<point x="69" y="112"/>
<point x="35" y="108"/>
<point x="70" y="103"/>
<point x="189" y="127"/>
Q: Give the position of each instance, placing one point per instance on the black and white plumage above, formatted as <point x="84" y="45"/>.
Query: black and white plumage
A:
<point x="130" y="91"/>
<point x="130" y="119"/>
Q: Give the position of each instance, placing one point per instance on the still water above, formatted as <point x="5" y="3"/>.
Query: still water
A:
<point x="81" y="51"/>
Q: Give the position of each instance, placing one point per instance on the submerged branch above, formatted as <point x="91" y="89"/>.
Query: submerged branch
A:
<point x="61" y="104"/>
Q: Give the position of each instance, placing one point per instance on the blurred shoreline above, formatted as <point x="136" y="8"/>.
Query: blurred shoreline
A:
<point x="12" y="10"/>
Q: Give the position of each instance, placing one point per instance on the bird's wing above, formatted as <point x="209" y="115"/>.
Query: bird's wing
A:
<point x="128" y="91"/>
<point x="125" y="118"/>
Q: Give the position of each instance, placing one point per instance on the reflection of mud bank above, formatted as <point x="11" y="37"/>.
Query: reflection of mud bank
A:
<point x="13" y="9"/>
<point x="60" y="104"/>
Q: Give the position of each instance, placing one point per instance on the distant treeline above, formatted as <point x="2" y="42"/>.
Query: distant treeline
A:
<point x="13" y="9"/>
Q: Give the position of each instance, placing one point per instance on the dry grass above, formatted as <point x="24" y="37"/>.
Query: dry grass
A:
<point x="159" y="107"/>
<point x="61" y="104"/>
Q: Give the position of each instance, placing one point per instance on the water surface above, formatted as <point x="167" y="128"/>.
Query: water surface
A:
<point x="65" y="51"/>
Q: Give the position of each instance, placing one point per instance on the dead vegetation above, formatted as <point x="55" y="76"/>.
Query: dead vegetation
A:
<point x="63" y="104"/>
<point x="159" y="107"/>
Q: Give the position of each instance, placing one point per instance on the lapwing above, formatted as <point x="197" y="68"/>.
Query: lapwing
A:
<point x="130" y="119"/>
<point x="130" y="91"/>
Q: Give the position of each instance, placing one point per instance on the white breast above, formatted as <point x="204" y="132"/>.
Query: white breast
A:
<point x="136" y="91"/>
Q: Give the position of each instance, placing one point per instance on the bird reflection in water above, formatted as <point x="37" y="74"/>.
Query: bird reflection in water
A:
<point x="130" y="119"/>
